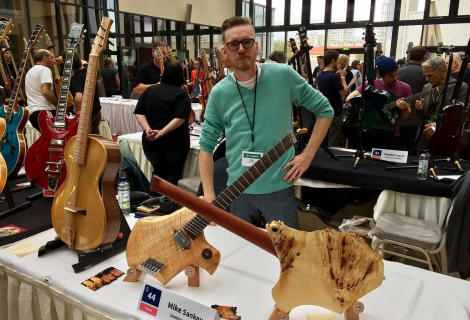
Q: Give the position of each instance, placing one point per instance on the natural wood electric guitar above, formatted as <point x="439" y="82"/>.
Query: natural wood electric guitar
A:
<point x="44" y="161"/>
<point x="165" y="246"/>
<point x="57" y="78"/>
<point x="12" y="143"/>
<point x="82" y="216"/>
<point x="325" y="268"/>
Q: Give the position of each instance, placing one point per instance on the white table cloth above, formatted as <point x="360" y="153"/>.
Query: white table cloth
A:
<point x="120" y="115"/>
<point x="244" y="279"/>
<point x="191" y="164"/>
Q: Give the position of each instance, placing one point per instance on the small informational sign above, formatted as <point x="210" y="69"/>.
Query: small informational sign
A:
<point x="249" y="158"/>
<point x="390" y="155"/>
<point x="161" y="304"/>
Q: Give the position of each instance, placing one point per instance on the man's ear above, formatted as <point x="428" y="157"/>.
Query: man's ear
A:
<point x="223" y="50"/>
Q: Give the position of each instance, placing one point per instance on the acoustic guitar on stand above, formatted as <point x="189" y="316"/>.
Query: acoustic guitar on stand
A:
<point x="165" y="246"/>
<point x="12" y="143"/>
<point x="85" y="212"/>
<point x="44" y="161"/>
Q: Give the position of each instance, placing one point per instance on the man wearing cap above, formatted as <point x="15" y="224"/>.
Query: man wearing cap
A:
<point x="387" y="69"/>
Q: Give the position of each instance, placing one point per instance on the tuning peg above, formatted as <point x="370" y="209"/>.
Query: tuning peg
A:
<point x="85" y="31"/>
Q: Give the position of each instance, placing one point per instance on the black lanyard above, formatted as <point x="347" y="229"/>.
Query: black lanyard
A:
<point x="254" y="108"/>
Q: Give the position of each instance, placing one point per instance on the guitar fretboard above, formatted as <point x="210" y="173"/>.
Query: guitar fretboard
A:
<point x="19" y="79"/>
<point x="64" y="89"/>
<point x="81" y="143"/>
<point x="197" y="224"/>
<point x="417" y="96"/>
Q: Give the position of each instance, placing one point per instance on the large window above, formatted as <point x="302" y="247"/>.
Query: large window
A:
<point x="411" y="10"/>
<point x="360" y="10"/>
<point x="448" y="34"/>
<point x="464" y="8"/>
<point x="259" y="19"/>
<point x="276" y="42"/>
<point x="278" y="7"/>
<point x="15" y="10"/>
<point x="407" y="34"/>
<point x="339" y="10"/>
<point x="440" y="8"/>
<point x="317" y="11"/>
<point x="295" y="12"/>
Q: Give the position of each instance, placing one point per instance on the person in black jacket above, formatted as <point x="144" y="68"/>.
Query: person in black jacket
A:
<point x="163" y="112"/>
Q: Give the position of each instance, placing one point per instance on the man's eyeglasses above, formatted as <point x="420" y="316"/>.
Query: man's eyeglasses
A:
<point x="234" y="45"/>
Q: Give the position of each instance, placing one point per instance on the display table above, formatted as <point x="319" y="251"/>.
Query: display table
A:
<point x="120" y="115"/>
<point x="244" y="279"/>
<point x="31" y="134"/>
<point x="191" y="164"/>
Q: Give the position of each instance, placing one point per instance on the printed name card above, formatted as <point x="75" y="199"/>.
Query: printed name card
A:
<point x="161" y="304"/>
<point x="390" y="155"/>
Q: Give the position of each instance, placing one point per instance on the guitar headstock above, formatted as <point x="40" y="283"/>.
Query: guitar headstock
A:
<point x="409" y="47"/>
<point x="369" y="36"/>
<point x="439" y="49"/>
<point x="101" y="39"/>
<point x="202" y="54"/>
<point x="293" y="45"/>
<point x="35" y="36"/>
<point x="170" y="54"/>
<point x="157" y="53"/>
<point x="303" y="38"/>
<point x="76" y="35"/>
<point x="217" y="53"/>
<point x="5" y="28"/>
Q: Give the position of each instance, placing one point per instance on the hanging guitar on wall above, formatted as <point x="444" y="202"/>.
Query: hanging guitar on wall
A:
<point x="44" y="161"/>
<point x="12" y="143"/>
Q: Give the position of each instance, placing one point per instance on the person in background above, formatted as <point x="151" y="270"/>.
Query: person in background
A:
<point x="77" y="88"/>
<point x="319" y="68"/>
<point x="163" y="112"/>
<point x="110" y="75"/>
<point x="38" y="84"/>
<point x="332" y="84"/>
<point x="262" y="60"/>
<point x="149" y="73"/>
<point x="456" y="65"/>
<point x="400" y="63"/>
<point x="412" y="74"/>
<point x="277" y="57"/>
<point x="343" y="63"/>
<point x="356" y="69"/>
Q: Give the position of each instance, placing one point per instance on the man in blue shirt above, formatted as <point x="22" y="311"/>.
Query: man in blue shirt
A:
<point x="333" y="86"/>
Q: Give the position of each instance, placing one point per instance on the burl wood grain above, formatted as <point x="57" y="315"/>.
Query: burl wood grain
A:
<point x="81" y="189"/>
<point x="325" y="268"/>
<point x="152" y="237"/>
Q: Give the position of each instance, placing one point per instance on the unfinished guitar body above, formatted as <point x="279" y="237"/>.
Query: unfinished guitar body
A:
<point x="324" y="268"/>
<point x="152" y="246"/>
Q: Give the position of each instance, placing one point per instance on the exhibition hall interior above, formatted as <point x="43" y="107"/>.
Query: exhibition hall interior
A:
<point x="235" y="159"/>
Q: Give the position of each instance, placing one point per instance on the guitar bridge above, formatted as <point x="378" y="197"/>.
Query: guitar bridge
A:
<point x="151" y="266"/>
<point x="181" y="239"/>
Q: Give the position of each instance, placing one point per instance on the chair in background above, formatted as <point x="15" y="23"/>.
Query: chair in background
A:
<point x="409" y="233"/>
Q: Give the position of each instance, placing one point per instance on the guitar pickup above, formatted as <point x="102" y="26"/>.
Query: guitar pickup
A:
<point x="151" y="266"/>
<point x="72" y="209"/>
<point x="181" y="239"/>
<point x="56" y="142"/>
<point x="59" y="125"/>
<point x="55" y="150"/>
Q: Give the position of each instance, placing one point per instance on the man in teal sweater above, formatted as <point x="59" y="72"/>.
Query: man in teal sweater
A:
<point x="254" y="105"/>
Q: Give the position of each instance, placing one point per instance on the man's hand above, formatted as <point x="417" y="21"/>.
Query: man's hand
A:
<point x="429" y="126"/>
<point x="298" y="166"/>
<point x="419" y="104"/>
<point x="151" y="134"/>
<point x="401" y="104"/>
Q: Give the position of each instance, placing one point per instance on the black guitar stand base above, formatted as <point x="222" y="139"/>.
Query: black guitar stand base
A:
<point x="11" y="202"/>
<point x="90" y="258"/>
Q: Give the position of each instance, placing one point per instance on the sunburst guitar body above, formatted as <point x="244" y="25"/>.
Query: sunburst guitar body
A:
<point x="96" y="219"/>
<point x="152" y="240"/>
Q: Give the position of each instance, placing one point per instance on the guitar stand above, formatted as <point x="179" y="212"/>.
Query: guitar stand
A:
<point x="89" y="258"/>
<point x="360" y="154"/>
<point x="352" y="313"/>
<point x="11" y="202"/>
<point x="193" y="276"/>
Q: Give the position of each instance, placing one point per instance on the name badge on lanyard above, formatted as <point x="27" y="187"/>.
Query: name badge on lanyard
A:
<point x="249" y="158"/>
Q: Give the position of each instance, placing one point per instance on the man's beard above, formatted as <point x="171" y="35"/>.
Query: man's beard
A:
<point x="245" y="64"/>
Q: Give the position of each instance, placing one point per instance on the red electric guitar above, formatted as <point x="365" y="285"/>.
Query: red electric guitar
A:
<point x="44" y="161"/>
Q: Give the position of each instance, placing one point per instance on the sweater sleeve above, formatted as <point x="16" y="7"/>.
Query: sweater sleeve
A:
<point x="212" y="125"/>
<point x="304" y="95"/>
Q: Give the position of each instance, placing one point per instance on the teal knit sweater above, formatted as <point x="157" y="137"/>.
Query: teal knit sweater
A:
<point x="278" y="87"/>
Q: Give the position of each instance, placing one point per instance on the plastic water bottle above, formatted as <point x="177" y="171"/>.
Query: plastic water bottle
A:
<point x="124" y="198"/>
<point x="423" y="165"/>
